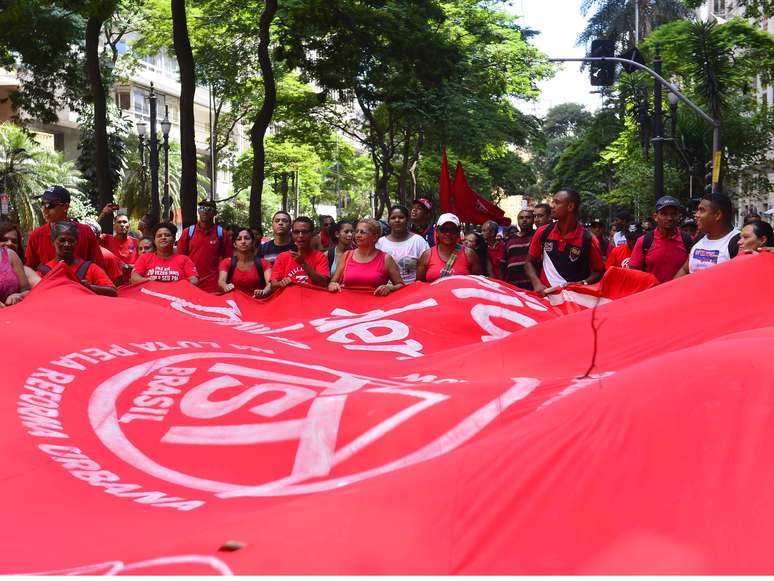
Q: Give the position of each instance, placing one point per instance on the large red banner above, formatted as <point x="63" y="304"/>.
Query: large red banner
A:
<point x="459" y="427"/>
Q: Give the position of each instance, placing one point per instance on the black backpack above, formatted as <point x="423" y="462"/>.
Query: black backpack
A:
<point x="80" y="272"/>
<point x="258" y="267"/>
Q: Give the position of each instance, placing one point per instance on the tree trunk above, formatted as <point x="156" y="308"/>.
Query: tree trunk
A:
<point x="263" y="118"/>
<point x="185" y="62"/>
<point x="98" y="97"/>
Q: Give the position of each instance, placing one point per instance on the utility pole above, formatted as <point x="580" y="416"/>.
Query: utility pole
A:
<point x="658" y="129"/>
<point x="154" y="157"/>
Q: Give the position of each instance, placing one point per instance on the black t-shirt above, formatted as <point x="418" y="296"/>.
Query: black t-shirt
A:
<point x="270" y="251"/>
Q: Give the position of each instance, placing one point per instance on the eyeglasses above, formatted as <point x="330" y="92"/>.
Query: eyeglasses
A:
<point x="50" y="205"/>
<point x="300" y="232"/>
<point x="449" y="230"/>
<point x="205" y="209"/>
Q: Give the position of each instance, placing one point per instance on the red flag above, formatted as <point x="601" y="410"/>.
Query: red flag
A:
<point x="444" y="186"/>
<point x="472" y="208"/>
<point x="419" y="433"/>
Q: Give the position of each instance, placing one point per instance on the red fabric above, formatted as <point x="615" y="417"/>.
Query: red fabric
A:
<point x="249" y="281"/>
<point x="170" y="269"/>
<point x="114" y="268"/>
<point x="665" y="256"/>
<point x="619" y="257"/>
<point x="206" y="251"/>
<point x="126" y="250"/>
<point x="286" y="425"/>
<point x="444" y="186"/>
<point x="287" y="267"/>
<point x="496" y="252"/>
<point x="469" y="206"/>
<point x="435" y="265"/>
<point x="371" y="274"/>
<point x="325" y="239"/>
<point x="40" y="248"/>
<point x="94" y="274"/>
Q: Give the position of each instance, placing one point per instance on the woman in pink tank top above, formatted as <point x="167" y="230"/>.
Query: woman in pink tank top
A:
<point x="366" y="266"/>
<point x="433" y="262"/>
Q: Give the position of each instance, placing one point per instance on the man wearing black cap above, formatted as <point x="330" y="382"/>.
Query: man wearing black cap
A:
<point x="421" y="209"/>
<point x="663" y="251"/>
<point x="55" y="203"/>
<point x="206" y="244"/>
<point x="621" y="255"/>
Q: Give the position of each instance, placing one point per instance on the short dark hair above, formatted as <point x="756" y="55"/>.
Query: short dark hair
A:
<point x="64" y="227"/>
<point x="573" y="195"/>
<point x="544" y="206"/>
<point x="403" y="209"/>
<point x="762" y="229"/>
<point x="338" y="225"/>
<point x="278" y="212"/>
<point x="302" y="220"/>
<point x="721" y="203"/>
<point x="168" y="225"/>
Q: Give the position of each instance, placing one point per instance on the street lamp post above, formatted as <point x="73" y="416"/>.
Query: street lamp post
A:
<point x="166" y="125"/>
<point x="154" y="156"/>
<point x="658" y="129"/>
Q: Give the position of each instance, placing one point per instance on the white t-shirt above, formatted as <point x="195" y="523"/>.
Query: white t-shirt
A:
<point x="706" y="253"/>
<point x="619" y="239"/>
<point x="405" y="253"/>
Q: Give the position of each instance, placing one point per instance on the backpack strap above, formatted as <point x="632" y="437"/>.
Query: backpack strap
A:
<point x="647" y="242"/>
<point x="83" y="268"/>
<point x="259" y="268"/>
<point x="331" y="255"/>
<point x="219" y="232"/>
<point x="447" y="268"/>
<point x="44" y="269"/>
<point x="587" y="245"/>
<point x="733" y="245"/>
<point x="190" y="237"/>
<point x="687" y="241"/>
<point x="546" y="233"/>
<point x="231" y="269"/>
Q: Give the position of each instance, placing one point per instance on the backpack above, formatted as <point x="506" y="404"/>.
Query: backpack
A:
<point x="258" y="267"/>
<point x="586" y="239"/>
<point x="649" y="237"/>
<point x="80" y="272"/>
<point x="218" y="230"/>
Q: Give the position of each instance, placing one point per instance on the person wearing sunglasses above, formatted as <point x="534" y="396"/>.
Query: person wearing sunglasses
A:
<point x="55" y="203"/>
<point x="304" y="265"/>
<point x="367" y="267"/>
<point x="449" y="257"/>
<point x="206" y="244"/>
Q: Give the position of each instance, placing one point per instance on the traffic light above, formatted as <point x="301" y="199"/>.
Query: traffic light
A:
<point x="708" y="177"/>
<point x="602" y="73"/>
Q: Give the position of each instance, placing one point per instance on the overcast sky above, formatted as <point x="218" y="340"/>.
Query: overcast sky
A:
<point x="559" y="23"/>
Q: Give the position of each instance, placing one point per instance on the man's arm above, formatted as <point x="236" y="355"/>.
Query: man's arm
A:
<point x="683" y="271"/>
<point x="531" y="271"/>
<point x="637" y="260"/>
<point x="316" y="277"/>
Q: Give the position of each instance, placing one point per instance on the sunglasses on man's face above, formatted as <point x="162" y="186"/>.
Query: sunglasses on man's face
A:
<point x="205" y="209"/>
<point x="449" y="230"/>
<point x="50" y="205"/>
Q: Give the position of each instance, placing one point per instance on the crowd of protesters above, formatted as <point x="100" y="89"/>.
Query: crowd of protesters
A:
<point x="547" y="248"/>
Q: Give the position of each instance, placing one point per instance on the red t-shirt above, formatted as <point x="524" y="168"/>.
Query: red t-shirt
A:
<point x="125" y="250"/>
<point x="247" y="282"/>
<point x="665" y="256"/>
<point x="204" y="248"/>
<point x="286" y="267"/>
<point x="170" y="269"/>
<point x="114" y="268"/>
<point x="496" y="253"/>
<point x="40" y="248"/>
<point x="94" y="274"/>
<point x="619" y="257"/>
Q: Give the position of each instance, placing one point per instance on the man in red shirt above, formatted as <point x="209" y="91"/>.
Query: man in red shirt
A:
<point x="663" y="251"/>
<point x="120" y="243"/>
<point x="305" y="265"/>
<point x="494" y="247"/>
<point x="64" y="238"/>
<point x="206" y="244"/>
<point x="55" y="203"/>
<point x="568" y="252"/>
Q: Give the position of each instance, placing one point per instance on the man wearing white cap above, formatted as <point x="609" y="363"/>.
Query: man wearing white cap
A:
<point x="449" y="257"/>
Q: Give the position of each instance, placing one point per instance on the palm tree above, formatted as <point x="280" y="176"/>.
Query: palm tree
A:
<point x="615" y="19"/>
<point x="27" y="168"/>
